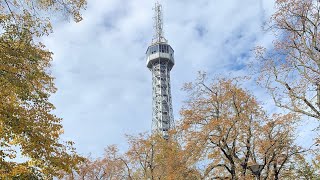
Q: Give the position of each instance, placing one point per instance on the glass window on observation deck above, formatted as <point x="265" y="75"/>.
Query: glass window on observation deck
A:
<point x="153" y="49"/>
<point x="163" y="48"/>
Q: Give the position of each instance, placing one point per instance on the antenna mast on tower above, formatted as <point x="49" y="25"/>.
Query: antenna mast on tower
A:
<point x="158" y="24"/>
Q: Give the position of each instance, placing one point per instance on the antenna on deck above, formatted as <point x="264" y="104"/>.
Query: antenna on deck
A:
<point x="158" y="24"/>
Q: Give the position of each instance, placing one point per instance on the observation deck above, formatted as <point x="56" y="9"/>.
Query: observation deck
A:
<point x="162" y="52"/>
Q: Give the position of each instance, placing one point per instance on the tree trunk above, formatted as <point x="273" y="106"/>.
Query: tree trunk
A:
<point x="276" y="172"/>
<point x="233" y="173"/>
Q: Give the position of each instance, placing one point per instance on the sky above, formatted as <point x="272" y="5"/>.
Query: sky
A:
<point x="99" y="64"/>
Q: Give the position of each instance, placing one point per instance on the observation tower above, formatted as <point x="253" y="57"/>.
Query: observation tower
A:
<point x="160" y="60"/>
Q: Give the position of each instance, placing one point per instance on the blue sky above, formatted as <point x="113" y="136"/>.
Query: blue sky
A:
<point x="104" y="86"/>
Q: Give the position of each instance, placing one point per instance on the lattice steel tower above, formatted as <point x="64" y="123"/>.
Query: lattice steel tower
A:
<point x="160" y="60"/>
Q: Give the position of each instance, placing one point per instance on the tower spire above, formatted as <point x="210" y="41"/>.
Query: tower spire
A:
<point x="158" y="36"/>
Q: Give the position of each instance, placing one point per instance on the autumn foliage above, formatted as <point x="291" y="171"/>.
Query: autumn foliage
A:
<point x="148" y="157"/>
<point x="27" y="125"/>
<point x="224" y="125"/>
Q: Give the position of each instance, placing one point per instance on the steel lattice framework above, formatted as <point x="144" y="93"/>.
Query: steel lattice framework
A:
<point x="160" y="60"/>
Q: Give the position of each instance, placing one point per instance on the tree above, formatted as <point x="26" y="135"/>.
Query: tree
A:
<point x="153" y="157"/>
<point x="111" y="166"/>
<point x="291" y="70"/>
<point x="148" y="157"/>
<point x="26" y="119"/>
<point x="226" y="131"/>
<point x="274" y="146"/>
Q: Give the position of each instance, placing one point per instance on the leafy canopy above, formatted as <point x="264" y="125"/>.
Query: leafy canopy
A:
<point x="27" y="124"/>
